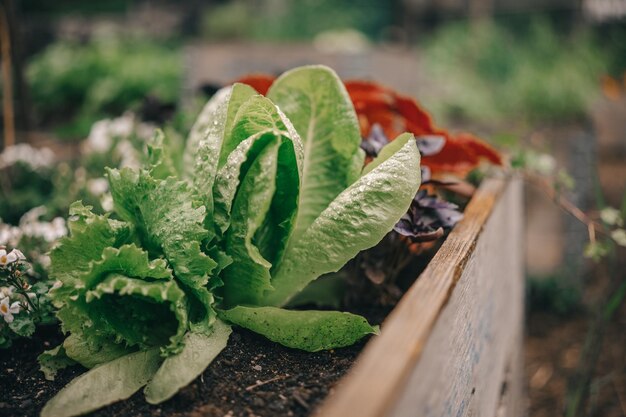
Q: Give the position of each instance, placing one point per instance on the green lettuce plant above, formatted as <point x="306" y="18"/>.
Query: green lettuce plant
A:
<point x="272" y="195"/>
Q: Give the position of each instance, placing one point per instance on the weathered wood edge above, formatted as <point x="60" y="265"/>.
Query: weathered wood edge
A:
<point x="371" y="387"/>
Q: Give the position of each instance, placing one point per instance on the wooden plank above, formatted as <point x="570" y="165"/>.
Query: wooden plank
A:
<point x="467" y="365"/>
<point x="221" y="63"/>
<point x="434" y="319"/>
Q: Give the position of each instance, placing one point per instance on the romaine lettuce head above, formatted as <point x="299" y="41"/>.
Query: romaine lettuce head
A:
<point x="115" y="301"/>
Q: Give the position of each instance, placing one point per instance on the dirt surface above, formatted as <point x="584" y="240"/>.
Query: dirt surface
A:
<point x="251" y="377"/>
<point x="553" y="347"/>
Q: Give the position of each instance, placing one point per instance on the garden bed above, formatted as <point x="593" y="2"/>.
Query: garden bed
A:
<point x="459" y="328"/>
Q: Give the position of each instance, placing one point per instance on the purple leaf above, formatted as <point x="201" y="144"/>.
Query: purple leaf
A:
<point x="427" y="217"/>
<point x="430" y="144"/>
<point x="375" y="141"/>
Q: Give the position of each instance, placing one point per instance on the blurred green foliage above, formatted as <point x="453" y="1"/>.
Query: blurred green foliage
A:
<point x="77" y="84"/>
<point x="56" y="187"/>
<point x="294" y="20"/>
<point x="490" y="73"/>
<point x="552" y="295"/>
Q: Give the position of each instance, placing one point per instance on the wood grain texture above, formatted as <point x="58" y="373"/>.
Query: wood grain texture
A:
<point x="454" y="319"/>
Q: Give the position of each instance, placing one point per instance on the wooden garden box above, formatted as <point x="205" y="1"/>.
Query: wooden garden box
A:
<point x="453" y="345"/>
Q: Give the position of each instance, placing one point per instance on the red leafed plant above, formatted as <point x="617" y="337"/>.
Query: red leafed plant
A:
<point x="396" y="113"/>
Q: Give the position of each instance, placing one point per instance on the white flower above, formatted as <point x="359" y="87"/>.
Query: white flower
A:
<point x="99" y="139"/>
<point x="545" y="164"/>
<point x="619" y="236"/>
<point x="611" y="216"/>
<point x="98" y="186"/>
<point x="9" y="235"/>
<point x="18" y="253"/>
<point x="44" y="261"/>
<point x="57" y="284"/>
<point x="6" y="258"/>
<point x="26" y="154"/>
<point x="7" y="311"/>
<point x="6" y="292"/>
<point x="128" y="154"/>
<point x="49" y="231"/>
<point x="106" y="201"/>
<point x="122" y="126"/>
<point x="9" y="258"/>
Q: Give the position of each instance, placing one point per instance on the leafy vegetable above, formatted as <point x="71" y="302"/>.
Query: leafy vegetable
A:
<point x="167" y="222"/>
<point x="257" y="216"/>
<point x="307" y="330"/>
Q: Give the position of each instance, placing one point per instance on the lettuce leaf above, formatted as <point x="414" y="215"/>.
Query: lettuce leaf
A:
<point x="213" y="122"/>
<point x="248" y="277"/>
<point x="316" y="102"/>
<point x="91" y="349"/>
<point x="51" y="361"/>
<point x="260" y="114"/>
<point x="204" y="153"/>
<point x="168" y="223"/>
<point x="143" y="313"/>
<point x="124" y="283"/>
<point x="228" y="178"/>
<point x="356" y="220"/>
<point x="307" y="330"/>
<point x="128" y="260"/>
<point x="178" y="371"/>
<point x="164" y="155"/>
<point x="89" y="235"/>
<point x="104" y="385"/>
<point x="256" y="123"/>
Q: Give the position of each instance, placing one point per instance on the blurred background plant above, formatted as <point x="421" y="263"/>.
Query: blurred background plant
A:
<point x="529" y="75"/>
<point x="75" y="84"/>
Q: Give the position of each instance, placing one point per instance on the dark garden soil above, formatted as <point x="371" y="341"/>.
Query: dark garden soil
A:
<point x="251" y="377"/>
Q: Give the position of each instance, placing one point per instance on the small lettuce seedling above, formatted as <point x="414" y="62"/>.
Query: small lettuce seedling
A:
<point x="272" y="196"/>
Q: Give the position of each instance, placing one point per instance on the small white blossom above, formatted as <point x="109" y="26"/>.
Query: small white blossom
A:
<point x="99" y="139"/>
<point x="6" y="292"/>
<point x="129" y="155"/>
<point x="7" y="258"/>
<point x="611" y="216"/>
<point x="57" y="284"/>
<point x="98" y="186"/>
<point x="545" y="164"/>
<point x="49" y="231"/>
<point x="122" y="126"/>
<point x="145" y="131"/>
<point x="7" y="311"/>
<point x="106" y="201"/>
<point x="619" y="236"/>
<point x="44" y="261"/>
<point x="9" y="235"/>
<point x="26" y="154"/>
<point x="18" y="254"/>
